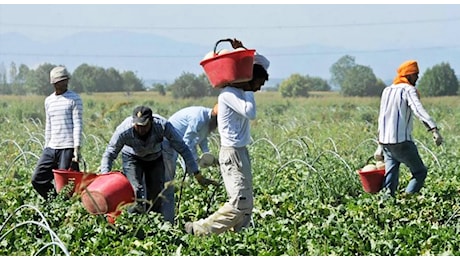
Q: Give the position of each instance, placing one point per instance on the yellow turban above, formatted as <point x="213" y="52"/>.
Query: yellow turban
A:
<point x="406" y="68"/>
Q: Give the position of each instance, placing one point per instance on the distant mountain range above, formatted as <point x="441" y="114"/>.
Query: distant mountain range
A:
<point x="158" y="59"/>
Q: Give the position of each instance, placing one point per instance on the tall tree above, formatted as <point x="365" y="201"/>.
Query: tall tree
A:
<point x="131" y="82"/>
<point x="318" y="84"/>
<point x="295" y="86"/>
<point x="38" y="80"/>
<point x="357" y="81"/>
<point x="188" y="85"/>
<point x="4" y="86"/>
<point x="17" y="86"/>
<point x="13" y="72"/>
<point x="114" y="80"/>
<point x="83" y="79"/>
<point x="21" y="86"/>
<point x="340" y="69"/>
<point x="440" y="80"/>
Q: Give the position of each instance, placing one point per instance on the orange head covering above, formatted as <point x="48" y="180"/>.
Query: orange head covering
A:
<point x="406" y="68"/>
<point x="214" y="110"/>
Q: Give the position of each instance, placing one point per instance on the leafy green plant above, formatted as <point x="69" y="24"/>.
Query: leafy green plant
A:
<point x="308" y="197"/>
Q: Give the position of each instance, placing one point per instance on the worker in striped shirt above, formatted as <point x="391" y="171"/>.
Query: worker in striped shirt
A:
<point x="63" y="133"/>
<point x="139" y="139"/>
<point x="399" y="103"/>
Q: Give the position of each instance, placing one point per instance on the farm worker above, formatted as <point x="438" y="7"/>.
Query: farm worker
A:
<point x="194" y="124"/>
<point x="236" y="108"/>
<point x="63" y="133"/>
<point x="399" y="103"/>
<point x="139" y="138"/>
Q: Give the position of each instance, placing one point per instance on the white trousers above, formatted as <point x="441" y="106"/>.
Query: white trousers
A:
<point x="235" y="214"/>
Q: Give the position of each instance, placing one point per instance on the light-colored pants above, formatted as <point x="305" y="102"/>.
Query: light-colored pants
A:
<point x="235" y="214"/>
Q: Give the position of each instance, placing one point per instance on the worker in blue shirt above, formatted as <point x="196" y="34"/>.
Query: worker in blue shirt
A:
<point x="194" y="124"/>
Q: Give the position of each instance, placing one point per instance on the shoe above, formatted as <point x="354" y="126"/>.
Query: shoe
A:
<point x="386" y="197"/>
<point x="136" y="208"/>
<point x="189" y="228"/>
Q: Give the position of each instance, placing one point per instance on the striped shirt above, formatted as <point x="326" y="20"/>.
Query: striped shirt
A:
<point x="398" y="105"/>
<point x="236" y="108"/>
<point x="64" y="123"/>
<point x="192" y="123"/>
<point x="125" y="139"/>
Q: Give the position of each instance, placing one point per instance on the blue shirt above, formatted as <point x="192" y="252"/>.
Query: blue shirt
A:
<point x="192" y="123"/>
<point x="124" y="139"/>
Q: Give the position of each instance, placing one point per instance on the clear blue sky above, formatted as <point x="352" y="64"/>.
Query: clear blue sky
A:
<point x="362" y="27"/>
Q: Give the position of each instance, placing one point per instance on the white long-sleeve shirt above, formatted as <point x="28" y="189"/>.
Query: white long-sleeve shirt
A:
<point x="64" y="123"/>
<point x="236" y="108"/>
<point x="398" y="105"/>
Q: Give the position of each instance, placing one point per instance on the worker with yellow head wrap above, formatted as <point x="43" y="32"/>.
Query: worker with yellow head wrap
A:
<point x="399" y="103"/>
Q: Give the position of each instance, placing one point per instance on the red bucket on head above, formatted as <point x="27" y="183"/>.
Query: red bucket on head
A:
<point x="80" y="179"/>
<point x="372" y="180"/>
<point x="107" y="193"/>
<point x="228" y="68"/>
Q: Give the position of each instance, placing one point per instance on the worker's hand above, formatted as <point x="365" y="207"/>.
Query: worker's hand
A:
<point x="204" y="181"/>
<point x="99" y="171"/>
<point x="76" y="154"/>
<point x="437" y="137"/>
<point x="237" y="44"/>
<point x="378" y="154"/>
<point x="207" y="160"/>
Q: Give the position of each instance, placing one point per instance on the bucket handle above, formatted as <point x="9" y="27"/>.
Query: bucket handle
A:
<point x="234" y="42"/>
<point x="368" y="161"/>
<point x="74" y="165"/>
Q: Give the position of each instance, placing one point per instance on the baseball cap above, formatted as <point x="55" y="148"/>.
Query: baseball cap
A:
<point x="141" y="115"/>
<point x="58" y="73"/>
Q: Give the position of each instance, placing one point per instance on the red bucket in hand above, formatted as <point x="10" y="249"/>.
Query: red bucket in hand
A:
<point x="81" y="180"/>
<point x="107" y="193"/>
<point x="372" y="180"/>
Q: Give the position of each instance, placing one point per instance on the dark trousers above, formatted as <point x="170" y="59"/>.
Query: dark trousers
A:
<point x="147" y="179"/>
<point x="42" y="178"/>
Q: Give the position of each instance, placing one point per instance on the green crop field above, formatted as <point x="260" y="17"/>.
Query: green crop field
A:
<point x="308" y="196"/>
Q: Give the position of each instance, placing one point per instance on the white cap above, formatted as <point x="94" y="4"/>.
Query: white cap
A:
<point x="261" y="60"/>
<point x="58" y="74"/>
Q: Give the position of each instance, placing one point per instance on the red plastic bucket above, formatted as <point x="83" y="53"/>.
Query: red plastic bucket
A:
<point x="228" y="68"/>
<point x="107" y="193"/>
<point x="80" y="179"/>
<point x="372" y="180"/>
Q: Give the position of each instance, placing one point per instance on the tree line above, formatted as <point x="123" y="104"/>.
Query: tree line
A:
<point x="85" y="79"/>
<point x="352" y="79"/>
